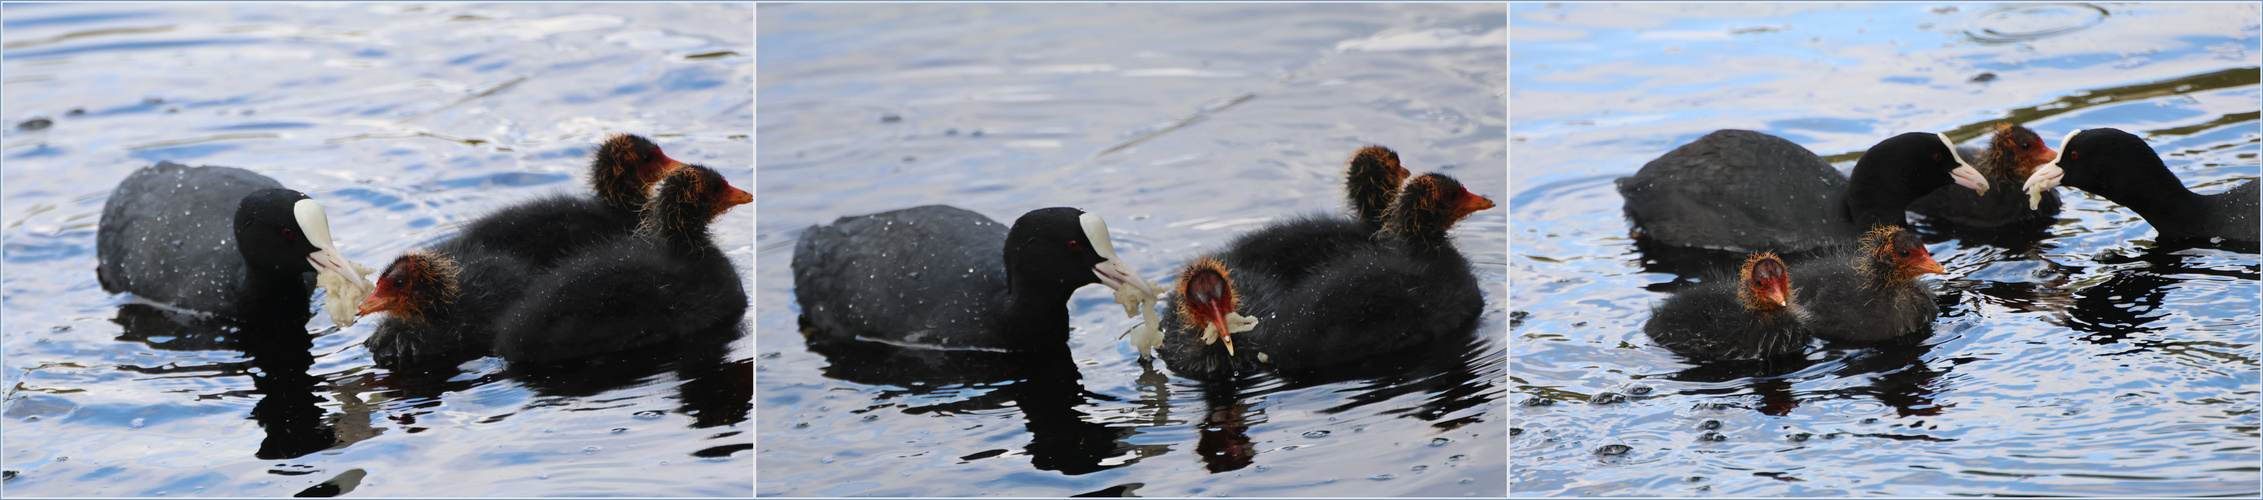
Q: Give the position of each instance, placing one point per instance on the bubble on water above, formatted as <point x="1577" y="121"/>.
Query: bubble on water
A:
<point x="2029" y="22"/>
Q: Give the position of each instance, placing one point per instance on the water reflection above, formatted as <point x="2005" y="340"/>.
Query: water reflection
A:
<point x="2029" y="22"/>
<point x="278" y="356"/>
<point x="1042" y="385"/>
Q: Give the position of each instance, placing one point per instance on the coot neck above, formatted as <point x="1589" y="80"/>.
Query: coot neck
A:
<point x="2160" y="198"/>
<point x="678" y="231"/>
<point x="275" y="295"/>
<point x="1036" y="313"/>
<point x="1876" y="195"/>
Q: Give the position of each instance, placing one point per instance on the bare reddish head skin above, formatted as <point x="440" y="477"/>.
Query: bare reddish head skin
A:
<point x="412" y="286"/>
<point x="1206" y="295"/>
<point x="1768" y="283"/>
<point x="1428" y="207"/>
<point x="1888" y="243"/>
<point x="2026" y="148"/>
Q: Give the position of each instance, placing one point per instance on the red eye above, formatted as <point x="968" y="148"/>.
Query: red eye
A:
<point x="1936" y="157"/>
<point x="2073" y="155"/>
<point x="286" y="232"/>
<point x="1073" y="246"/>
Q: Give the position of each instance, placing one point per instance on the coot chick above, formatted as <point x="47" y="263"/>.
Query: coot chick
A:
<point x="545" y="230"/>
<point x="1754" y="316"/>
<point x="1403" y="288"/>
<point x="161" y="238"/>
<point x="441" y="304"/>
<point x="944" y="277"/>
<point x="1747" y="191"/>
<point x="1301" y="243"/>
<point x="2012" y="155"/>
<point x="1870" y="294"/>
<point x="665" y="281"/>
<point x="2121" y="167"/>
<point x="1371" y="181"/>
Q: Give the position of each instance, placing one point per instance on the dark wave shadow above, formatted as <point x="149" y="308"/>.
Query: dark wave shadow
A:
<point x="277" y="356"/>
<point x="1044" y="386"/>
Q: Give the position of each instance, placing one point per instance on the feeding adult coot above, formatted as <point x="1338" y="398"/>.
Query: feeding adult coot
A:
<point x="665" y="281"/>
<point x="1343" y="299"/>
<point x="1747" y="191"/>
<point x="224" y="241"/>
<point x="2121" y="167"/>
<point x="547" y="229"/>
<point x="1754" y="316"/>
<point x="944" y="277"/>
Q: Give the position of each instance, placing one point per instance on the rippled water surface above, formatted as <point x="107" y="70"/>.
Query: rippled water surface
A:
<point x="1183" y="125"/>
<point x="404" y="120"/>
<point x="2091" y="362"/>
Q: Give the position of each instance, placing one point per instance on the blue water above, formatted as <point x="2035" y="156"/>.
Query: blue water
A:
<point x="404" y="120"/>
<point x="2093" y="362"/>
<point x="1183" y="125"/>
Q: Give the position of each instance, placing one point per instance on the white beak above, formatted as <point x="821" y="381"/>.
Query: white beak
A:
<point x="1113" y="273"/>
<point x="1964" y="174"/>
<point x="2048" y="175"/>
<point x="332" y="271"/>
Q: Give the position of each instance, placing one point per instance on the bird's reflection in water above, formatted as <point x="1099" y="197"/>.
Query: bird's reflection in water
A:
<point x="1449" y="372"/>
<point x="277" y="357"/>
<point x="1043" y="385"/>
<point x="1898" y="376"/>
<point x="714" y="390"/>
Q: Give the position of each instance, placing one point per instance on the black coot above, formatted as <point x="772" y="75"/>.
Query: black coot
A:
<point x="1869" y="293"/>
<point x="944" y="277"/>
<point x="441" y="304"/>
<point x="1747" y="191"/>
<point x="665" y="281"/>
<point x="220" y="240"/>
<point x="1402" y="288"/>
<point x="1754" y="316"/>
<point x="547" y="229"/>
<point x="2122" y="168"/>
<point x="2011" y="156"/>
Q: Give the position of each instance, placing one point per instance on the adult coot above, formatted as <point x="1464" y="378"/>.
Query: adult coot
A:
<point x="545" y="230"/>
<point x="2011" y="156"/>
<point x="1402" y="288"/>
<point x="1747" y="191"/>
<point x="441" y="303"/>
<point x="1871" y="293"/>
<point x="665" y="281"/>
<point x="223" y="241"/>
<point x="1754" y="316"/>
<point x="943" y="277"/>
<point x="2122" y="168"/>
